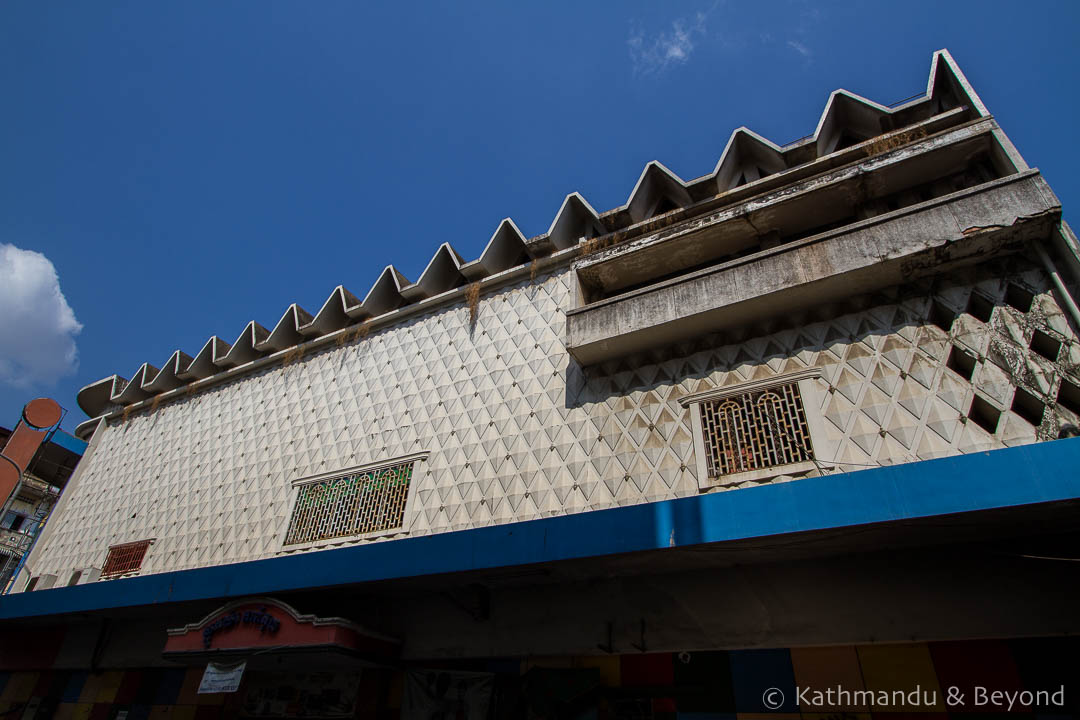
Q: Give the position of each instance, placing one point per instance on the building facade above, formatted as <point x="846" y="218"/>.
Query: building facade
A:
<point x="33" y="497"/>
<point x="555" y="451"/>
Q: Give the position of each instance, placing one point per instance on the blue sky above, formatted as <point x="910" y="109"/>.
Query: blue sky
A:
<point x="188" y="167"/>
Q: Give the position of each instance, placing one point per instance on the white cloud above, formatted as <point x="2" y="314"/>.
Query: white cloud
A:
<point x="37" y="326"/>
<point x="653" y="55"/>
<point x="801" y="49"/>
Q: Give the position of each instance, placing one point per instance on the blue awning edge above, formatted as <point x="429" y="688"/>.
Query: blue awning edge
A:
<point x="1027" y="475"/>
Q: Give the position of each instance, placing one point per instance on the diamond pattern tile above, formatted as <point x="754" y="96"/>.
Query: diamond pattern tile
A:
<point x="516" y="430"/>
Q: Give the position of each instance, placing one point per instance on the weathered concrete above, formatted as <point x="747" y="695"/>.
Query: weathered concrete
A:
<point x="897" y="247"/>
<point x="811" y="197"/>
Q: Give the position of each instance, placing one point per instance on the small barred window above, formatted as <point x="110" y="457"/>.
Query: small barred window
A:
<point x="354" y="504"/>
<point x="125" y="558"/>
<point x="755" y="430"/>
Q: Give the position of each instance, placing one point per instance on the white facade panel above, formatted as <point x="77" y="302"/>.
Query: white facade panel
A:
<point x="516" y="431"/>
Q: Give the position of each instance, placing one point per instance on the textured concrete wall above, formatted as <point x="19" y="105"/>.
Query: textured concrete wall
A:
<point x="517" y="431"/>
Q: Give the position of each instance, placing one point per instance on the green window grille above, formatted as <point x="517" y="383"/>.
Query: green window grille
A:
<point x="348" y="505"/>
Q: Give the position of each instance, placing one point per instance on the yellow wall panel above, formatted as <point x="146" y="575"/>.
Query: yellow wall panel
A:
<point x="18" y="688"/>
<point x="189" y="688"/>
<point x="608" y="665"/>
<point x="184" y="712"/>
<point x="90" y="688"/>
<point x="108" y="685"/>
<point x="81" y="711"/>
<point x="903" y="668"/>
<point x="822" y="668"/>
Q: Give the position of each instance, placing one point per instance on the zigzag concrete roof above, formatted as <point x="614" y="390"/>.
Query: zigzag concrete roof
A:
<point x="746" y="158"/>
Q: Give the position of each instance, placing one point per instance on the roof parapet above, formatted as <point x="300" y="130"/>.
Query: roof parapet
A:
<point x="243" y="350"/>
<point x="504" y="250"/>
<point x="575" y="221"/>
<point x="443" y="272"/>
<point x="746" y="158"/>
<point x="655" y="185"/>
<point x="333" y="315"/>
<point x="287" y="331"/>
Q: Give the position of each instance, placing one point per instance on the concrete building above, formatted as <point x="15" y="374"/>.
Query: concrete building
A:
<point x="28" y="508"/>
<point x="782" y="425"/>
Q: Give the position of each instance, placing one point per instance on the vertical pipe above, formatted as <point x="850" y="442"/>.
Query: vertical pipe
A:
<point x="1070" y="305"/>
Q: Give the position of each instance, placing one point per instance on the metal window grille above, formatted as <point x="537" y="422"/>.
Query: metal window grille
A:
<point x="755" y="430"/>
<point x="124" y="558"/>
<point x="355" y="504"/>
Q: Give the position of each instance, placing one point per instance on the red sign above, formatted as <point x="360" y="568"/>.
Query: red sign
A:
<point x="265" y="623"/>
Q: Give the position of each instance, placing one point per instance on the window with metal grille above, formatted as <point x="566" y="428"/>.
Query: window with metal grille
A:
<point x="755" y="430"/>
<point x="124" y="558"/>
<point x="355" y="504"/>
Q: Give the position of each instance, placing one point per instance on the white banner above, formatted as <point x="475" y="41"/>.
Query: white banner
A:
<point x="221" y="678"/>
<point x="441" y="695"/>
<point x="300" y="694"/>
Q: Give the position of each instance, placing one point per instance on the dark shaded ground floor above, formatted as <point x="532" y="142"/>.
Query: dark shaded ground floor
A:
<point x="968" y="612"/>
<point x="860" y="681"/>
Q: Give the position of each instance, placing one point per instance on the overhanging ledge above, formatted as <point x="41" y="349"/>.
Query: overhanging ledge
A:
<point x="1029" y="475"/>
<point x="868" y="255"/>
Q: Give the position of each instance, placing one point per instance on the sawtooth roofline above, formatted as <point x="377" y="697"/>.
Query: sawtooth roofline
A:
<point x="746" y="158"/>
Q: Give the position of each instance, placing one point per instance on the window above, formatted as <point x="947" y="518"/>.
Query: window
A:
<point x="359" y="502"/>
<point x="12" y="521"/>
<point x="757" y="430"/>
<point x="124" y="559"/>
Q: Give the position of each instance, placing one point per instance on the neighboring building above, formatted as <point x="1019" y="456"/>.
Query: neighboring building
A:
<point x="730" y="436"/>
<point x="28" y="510"/>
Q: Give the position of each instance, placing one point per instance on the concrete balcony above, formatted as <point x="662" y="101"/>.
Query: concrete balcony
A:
<point x="13" y="542"/>
<point x="992" y="218"/>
